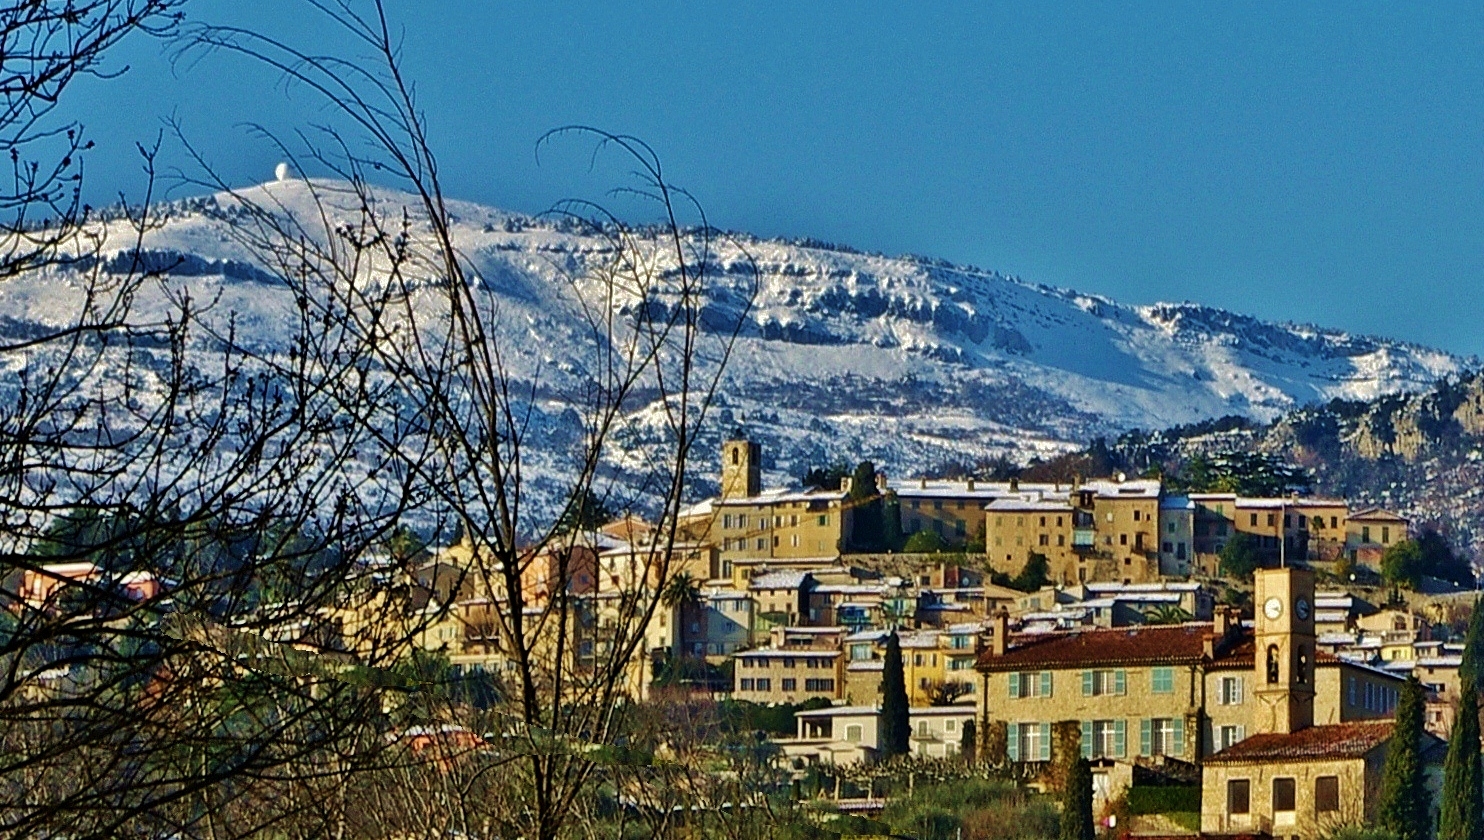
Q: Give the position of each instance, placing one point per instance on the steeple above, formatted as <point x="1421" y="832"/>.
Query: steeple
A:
<point x="741" y="468"/>
<point x="1284" y="658"/>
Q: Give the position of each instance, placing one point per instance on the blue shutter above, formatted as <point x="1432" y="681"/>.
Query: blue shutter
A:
<point x="1146" y="739"/>
<point x="1045" y="742"/>
<point x="1120" y="737"/>
<point x="1014" y="684"/>
<point x="1179" y="736"/>
<point x="1045" y="683"/>
<point x="1120" y="682"/>
<point x="1086" y="683"/>
<point x="1087" y="739"/>
<point x="1012" y="744"/>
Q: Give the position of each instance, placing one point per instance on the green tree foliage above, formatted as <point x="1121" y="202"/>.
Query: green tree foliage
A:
<point x="1035" y="574"/>
<point x="1076" y="811"/>
<point x="967" y="809"/>
<point x="826" y="478"/>
<point x="1471" y="670"/>
<point x="896" y="723"/>
<point x="585" y="514"/>
<point x="1462" y="813"/>
<point x="1403" y="564"/>
<point x="1167" y="614"/>
<point x="1403" y="807"/>
<point x="891" y="522"/>
<point x="741" y="717"/>
<point x="1440" y="561"/>
<point x="868" y="513"/>
<point x="1241" y="556"/>
<point x="923" y="542"/>
<point x="1244" y="473"/>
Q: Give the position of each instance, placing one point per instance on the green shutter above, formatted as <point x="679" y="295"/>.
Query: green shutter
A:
<point x="1014" y="684"/>
<point x="1012" y="745"/>
<point x="1146" y="740"/>
<point x="1179" y="736"/>
<point x="1120" y="738"/>
<point x="1120" y="681"/>
<point x="1087" y="739"/>
<point x="1045" y="683"/>
<point x="1045" y="742"/>
<point x="1086" y="683"/>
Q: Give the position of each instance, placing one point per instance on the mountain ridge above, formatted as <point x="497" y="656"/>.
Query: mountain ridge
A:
<point x="843" y="354"/>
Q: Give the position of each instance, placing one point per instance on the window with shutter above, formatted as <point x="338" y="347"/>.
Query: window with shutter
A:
<point x="1014" y="684"/>
<point x="1146" y="737"/>
<point x="1045" y="683"/>
<point x="1120" y="738"/>
<point x="1179" y="737"/>
<point x="1045" y="754"/>
<point x="1012" y="741"/>
<point x="1086" y="683"/>
<point x="1162" y="680"/>
<point x="1087" y="739"/>
<point x="1120" y="682"/>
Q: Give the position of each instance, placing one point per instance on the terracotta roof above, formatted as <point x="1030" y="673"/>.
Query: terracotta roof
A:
<point x="1162" y="644"/>
<point x="1328" y="742"/>
<point x="1240" y="657"/>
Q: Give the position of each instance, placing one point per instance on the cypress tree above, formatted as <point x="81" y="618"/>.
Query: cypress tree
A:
<point x="1462" y="814"/>
<point x="1470" y="672"/>
<point x="896" y="719"/>
<point x="968" y="741"/>
<point x="1076" y="807"/>
<point x="1404" y="802"/>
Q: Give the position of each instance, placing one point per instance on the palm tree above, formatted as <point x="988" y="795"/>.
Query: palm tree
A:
<point x="1167" y="614"/>
<point x="683" y="591"/>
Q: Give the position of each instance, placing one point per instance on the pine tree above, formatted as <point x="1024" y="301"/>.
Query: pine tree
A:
<point x="968" y="742"/>
<point x="1470" y="672"/>
<point x="896" y="719"/>
<point x="1404" y="802"/>
<point x="1462" y="813"/>
<point x="1076" y="810"/>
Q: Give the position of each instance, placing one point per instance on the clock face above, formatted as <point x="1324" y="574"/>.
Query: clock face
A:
<point x="1301" y="609"/>
<point x="1273" y="608"/>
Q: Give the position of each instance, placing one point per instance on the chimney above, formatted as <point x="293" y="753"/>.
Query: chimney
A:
<point x="844" y="484"/>
<point x="970" y="485"/>
<point x="1224" y="623"/>
<point x="1014" y="484"/>
<point x="922" y="483"/>
<point x="880" y="481"/>
<point x="1001" y="628"/>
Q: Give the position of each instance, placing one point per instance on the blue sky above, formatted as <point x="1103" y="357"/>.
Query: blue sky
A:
<point x="1307" y="162"/>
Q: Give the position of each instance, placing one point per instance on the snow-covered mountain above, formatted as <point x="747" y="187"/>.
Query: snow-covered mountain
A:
<point x="844" y="355"/>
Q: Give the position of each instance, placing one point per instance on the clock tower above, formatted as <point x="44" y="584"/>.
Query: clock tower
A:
<point x="1284" y="656"/>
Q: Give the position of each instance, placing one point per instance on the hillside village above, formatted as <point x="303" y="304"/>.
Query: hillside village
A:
<point x="1095" y="613"/>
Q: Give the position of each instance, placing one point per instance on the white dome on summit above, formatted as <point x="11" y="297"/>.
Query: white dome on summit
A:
<point x="281" y="172"/>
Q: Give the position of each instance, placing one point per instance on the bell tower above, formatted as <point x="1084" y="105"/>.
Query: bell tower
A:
<point x="1284" y="656"/>
<point x="741" y="468"/>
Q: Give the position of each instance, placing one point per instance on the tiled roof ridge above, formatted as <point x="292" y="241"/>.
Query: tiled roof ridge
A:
<point x="1328" y="741"/>
<point x="1185" y="643"/>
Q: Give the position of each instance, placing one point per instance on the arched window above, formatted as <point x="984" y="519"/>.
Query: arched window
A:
<point x="1272" y="663"/>
<point x="1303" y="665"/>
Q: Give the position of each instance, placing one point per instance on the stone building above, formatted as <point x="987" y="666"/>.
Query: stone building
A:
<point x="1293" y="776"/>
<point x="1151" y="693"/>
